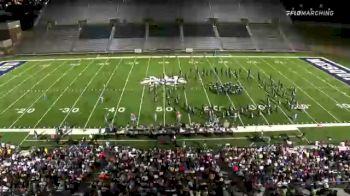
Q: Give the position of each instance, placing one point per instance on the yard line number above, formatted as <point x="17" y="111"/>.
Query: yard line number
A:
<point x="344" y="105"/>
<point x="25" y="110"/>
<point x="69" y="110"/>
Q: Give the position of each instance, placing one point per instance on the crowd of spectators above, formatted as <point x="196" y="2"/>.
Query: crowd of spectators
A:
<point x="98" y="169"/>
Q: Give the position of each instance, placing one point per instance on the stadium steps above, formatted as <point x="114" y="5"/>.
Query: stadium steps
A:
<point x="217" y="35"/>
<point x="297" y="41"/>
<point x="146" y="35"/>
<point x="267" y="37"/>
<point x="111" y="37"/>
<point x="252" y="38"/>
<point x="285" y="38"/>
<point x="182" y="36"/>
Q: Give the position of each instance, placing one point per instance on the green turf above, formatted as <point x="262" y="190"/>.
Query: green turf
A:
<point x="72" y="89"/>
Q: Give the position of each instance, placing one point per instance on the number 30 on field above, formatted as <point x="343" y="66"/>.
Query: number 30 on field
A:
<point x="68" y="110"/>
<point x="344" y="105"/>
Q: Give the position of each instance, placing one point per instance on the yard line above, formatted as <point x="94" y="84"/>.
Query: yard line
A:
<point x="173" y="56"/>
<point x="302" y="91"/>
<point x="143" y="93"/>
<point x="57" y="80"/>
<point x="185" y="94"/>
<point x="23" y="81"/>
<point x="314" y="86"/>
<point x="121" y="95"/>
<point x="229" y="98"/>
<point x="24" y="139"/>
<point x="163" y="94"/>
<point x="59" y="97"/>
<point x="313" y="119"/>
<point x="16" y="76"/>
<point x="332" y="86"/>
<point x="81" y="94"/>
<point x="203" y="87"/>
<point x="103" y="90"/>
<point x="13" y="103"/>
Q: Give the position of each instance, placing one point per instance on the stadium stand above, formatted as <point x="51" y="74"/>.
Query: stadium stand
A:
<point x="163" y="36"/>
<point x="52" y="40"/>
<point x="95" y="32"/>
<point x="232" y="30"/>
<point x="234" y="36"/>
<point x="66" y="12"/>
<point x="196" y="33"/>
<point x="91" y="45"/>
<point x="200" y="36"/>
<point x="296" y="41"/>
<point x="268" y="37"/>
<point x="128" y="36"/>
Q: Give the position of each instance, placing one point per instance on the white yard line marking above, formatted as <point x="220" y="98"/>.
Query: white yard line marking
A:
<point x="24" y="139"/>
<point x="312" y="118"/>
<point x="228" y="97"/>
<point x="18" y="75"/>
<point x="203" y="87"/>
<point x="315" y="87"/>
<point x="163" y="95"/>
<point x="31" y="105"/>
<point x="324" y="81"/>
<point x="63" y="92"/>
<point x="185" y="94"/>
<point x="25" y="93"/>
<point x="81" y="94"/>
<point x="121" y="95"/>
<point x="302" y="90"/>
<point x="143" y="93"/>
<point x="103" y="90"/>
<point x="23" y="81"/>
<point x="239" y="129"/>
<point x="172" y="56"/>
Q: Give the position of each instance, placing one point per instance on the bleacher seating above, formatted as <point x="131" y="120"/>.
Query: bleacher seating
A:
<point x="268" y="37"/>
<point x="128" y="37"/>
<point x="129" y="30"/>
<point x="163" y="36"/>
<point x="130" y="33"/>
<point x="198" y="30"/>
<point x="127" y="44"/>
<point x="294" y="38"/>
<point x="91" y="45"/>
<point x="232" y="30"/>
<point x="164" y="30"/>
<point x="237" y="43"/>
<point x="95" y="32"/>
<point x="264" y="30"/>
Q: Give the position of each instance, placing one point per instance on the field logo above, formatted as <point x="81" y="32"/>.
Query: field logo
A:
<point x="7" y="66"/>
<point x="340" y="72"/>
<point x="169" y="81"/>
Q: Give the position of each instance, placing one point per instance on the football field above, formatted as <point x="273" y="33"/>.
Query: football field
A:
<point x="88" y="93"/>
